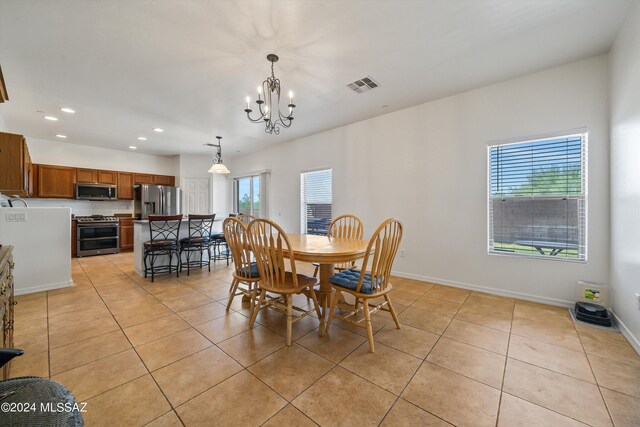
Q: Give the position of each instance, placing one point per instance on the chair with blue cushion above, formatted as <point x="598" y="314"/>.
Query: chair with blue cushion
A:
<point x="246" y="272"/>
<point x="346" y="227"/>
<point x="371" y="281"/>
<point x="269" y="244"/>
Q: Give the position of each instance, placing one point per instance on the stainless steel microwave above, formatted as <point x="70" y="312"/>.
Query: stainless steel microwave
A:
<point x="96" y="192"/>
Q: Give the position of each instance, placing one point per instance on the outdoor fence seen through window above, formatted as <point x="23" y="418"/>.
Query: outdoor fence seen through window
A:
<point x="537" y="198"/>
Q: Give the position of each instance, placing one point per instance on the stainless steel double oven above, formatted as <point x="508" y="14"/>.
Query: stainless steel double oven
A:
<point x="97" y="235"/>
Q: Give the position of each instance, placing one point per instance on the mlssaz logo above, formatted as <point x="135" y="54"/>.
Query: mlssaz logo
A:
<point x="63" y="407"/>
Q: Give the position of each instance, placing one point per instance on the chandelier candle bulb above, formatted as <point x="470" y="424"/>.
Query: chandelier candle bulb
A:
<point x="290" y="97"/>
<point x="248" y="103"/>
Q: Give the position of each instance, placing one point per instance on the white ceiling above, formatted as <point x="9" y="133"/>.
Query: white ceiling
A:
<point x="186" y="66"/>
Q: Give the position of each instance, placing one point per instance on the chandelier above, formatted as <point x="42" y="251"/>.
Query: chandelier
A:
<point x="218" y="166"/>
<point x="269" y="107"/>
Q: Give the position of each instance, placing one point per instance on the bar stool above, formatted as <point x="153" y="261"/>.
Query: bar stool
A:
<point x="199" y="240"/>
<point x="218" y="242"/>
<point x="164" y="231"/>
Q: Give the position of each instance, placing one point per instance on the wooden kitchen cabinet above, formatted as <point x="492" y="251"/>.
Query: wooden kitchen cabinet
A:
<point x="59" y="181"/>
<point x="125" y="186"/>
<point x="16" y="168"/>
<point x="107" y="177"/>
<point x="126" y="234"/>
<point x="164" y="180"/>
<point x="89" y="176"/>
<point x="56" y="182"/>
<point x="141" y="178"/>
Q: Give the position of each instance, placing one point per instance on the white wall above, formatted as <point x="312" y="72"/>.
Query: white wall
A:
<point x="625" y="175"/>
<point x="427" y="165"/>
<point x="3" y="125"/>
<point x="66" y="154"/>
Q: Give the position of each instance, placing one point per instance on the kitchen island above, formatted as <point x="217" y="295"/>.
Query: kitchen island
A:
<point x="142" y="234"/>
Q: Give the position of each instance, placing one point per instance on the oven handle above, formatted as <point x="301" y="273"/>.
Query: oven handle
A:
<point x="98" y="238"/>
<point x="97" y="225"/>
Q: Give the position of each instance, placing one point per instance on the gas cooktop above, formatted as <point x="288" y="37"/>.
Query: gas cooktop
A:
<point x="96" y="218"/>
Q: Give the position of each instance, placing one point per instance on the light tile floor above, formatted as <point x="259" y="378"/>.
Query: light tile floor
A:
<point x="167" y="353"/>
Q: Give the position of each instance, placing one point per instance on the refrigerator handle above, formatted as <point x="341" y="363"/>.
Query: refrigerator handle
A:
<point x="162" y="207"/>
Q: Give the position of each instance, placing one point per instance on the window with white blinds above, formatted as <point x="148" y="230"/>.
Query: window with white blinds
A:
<point x="538" y="198"/>
<point x="315" y="201"/>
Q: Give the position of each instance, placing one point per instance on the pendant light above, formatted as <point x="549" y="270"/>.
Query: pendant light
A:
<point x="218" y="166"/>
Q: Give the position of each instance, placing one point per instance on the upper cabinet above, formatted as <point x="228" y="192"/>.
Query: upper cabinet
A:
<point x="93" y="176"/>
<point x="56" y="181"/>
<point x="107" y="177"/>
<point x="18" y="176"/>
<point x="164" y="180"/>
<point x="125" y="186"/>
<point x="16" y="169"/>
<point x="85" y="176"/>
<point x="141" y="178"/>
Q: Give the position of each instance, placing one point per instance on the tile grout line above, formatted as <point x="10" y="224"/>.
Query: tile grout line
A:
<point x="606" y="405"/>
<point x="542" y="406"/>
<point x="47" y="296"/>
<point x="144" y="364"/>
<point x="425" y="361"/>
<point x="134" y="349"/>
<point x="506" y="359"/>
<point x="219" y="348"/>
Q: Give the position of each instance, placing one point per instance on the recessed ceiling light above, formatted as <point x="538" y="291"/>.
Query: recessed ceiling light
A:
<point x="53" y="119"/>
<point x="158" y="130"/>
<point x="61" y="136"/>
<point x="68" y="110"/>
<point x="133" y="147"/>
<point x="142" y="138"/>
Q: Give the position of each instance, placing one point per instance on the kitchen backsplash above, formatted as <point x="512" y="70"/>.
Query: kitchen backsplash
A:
<point x="85" y="207"/>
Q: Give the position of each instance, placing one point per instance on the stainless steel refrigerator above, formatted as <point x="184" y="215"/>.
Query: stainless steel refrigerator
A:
<point x="156" y="200"/>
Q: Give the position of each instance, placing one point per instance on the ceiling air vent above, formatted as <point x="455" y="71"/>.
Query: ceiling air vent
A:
<point x="365" y="84"/>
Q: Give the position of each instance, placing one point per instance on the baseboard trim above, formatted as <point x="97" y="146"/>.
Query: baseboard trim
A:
<point x="494" y="291"/>
<point x="42" y="288"/>
<point x="635" y="343"/>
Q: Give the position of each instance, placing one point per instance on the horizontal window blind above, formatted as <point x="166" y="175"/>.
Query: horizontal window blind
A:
<point x="316" y="201"/>
<point x="538" y="196"/>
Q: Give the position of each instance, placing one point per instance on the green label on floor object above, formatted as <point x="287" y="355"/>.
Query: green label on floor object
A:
<point x="592" y="294"/>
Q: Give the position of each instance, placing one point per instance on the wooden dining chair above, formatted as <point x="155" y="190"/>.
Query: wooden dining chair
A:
<point x="371" y="281"/>
<point x="246" y="275"/>
<point x="269" y="244"/>
<point x="346" y="226"/>
<point x="245" y="218"/>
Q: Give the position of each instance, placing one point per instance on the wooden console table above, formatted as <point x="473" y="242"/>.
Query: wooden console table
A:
<point x="7" y="302"/>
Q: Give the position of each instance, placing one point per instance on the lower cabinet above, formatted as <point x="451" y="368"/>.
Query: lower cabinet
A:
<point x="126" y="234"/>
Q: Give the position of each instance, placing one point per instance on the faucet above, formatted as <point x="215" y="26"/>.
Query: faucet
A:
<point x="18" y="199"/>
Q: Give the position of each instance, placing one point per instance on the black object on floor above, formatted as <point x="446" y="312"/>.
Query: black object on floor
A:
<point x="592" y="313"/>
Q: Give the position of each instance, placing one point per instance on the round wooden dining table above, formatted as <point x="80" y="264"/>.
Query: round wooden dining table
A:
<point x="326" y="251"/>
